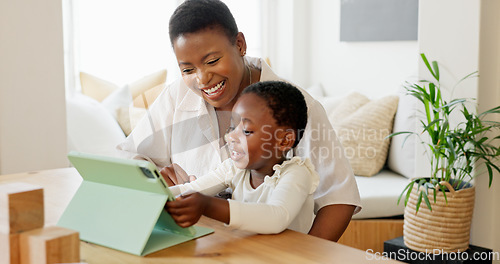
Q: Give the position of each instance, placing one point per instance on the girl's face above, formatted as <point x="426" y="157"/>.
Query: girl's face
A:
<point x="211" y="64"/>
<point x="255" y="142"/>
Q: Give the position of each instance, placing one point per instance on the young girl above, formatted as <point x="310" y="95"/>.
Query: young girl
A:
<point x="270" y="193"/>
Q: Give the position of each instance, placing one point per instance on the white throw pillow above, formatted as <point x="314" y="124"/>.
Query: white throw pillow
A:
<point x="90" y="127"/>
<point x="329" y="103"/>
<point x="316" y="91"/>
<point x="117" y="99"/>
<point x="401" y="157"/>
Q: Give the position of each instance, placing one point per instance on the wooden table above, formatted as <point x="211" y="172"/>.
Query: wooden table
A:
<point x="225" y="245"/>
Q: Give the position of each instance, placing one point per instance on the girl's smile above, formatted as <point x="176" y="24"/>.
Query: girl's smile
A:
<point x="236" y="154"/>
<point x="255" y="140"/>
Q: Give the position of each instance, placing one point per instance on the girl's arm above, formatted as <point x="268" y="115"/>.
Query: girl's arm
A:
<point x="275" y="215"/>
<point x="187" y="210"/>
<point x="210" y="184"/>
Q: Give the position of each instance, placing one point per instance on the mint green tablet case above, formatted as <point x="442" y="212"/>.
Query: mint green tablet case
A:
<point x="120" y="204"/>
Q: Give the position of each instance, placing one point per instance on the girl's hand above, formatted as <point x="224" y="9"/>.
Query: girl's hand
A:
<point x="174" y="174"/>
<point x="187" y="210"/>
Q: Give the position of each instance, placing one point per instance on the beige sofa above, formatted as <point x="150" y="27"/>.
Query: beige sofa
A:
<point x="381" y="177"/>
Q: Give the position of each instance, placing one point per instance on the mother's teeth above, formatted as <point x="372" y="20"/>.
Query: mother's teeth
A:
<point x="217" y="87"/>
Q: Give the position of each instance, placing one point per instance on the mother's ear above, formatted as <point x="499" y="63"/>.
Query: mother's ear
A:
<point x="241" y="43"/>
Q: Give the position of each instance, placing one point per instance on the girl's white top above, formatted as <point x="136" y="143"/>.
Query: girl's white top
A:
<point x="284" y="200"/>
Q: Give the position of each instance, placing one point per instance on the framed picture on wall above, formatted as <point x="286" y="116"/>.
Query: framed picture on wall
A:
<point x="378" y="20"/>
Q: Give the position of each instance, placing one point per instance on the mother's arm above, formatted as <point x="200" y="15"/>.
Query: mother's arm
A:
<point x="337" y="196"/>
<point x="331" y="221"/>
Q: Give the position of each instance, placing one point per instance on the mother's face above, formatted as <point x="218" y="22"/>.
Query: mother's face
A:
<point x="211" y="63"/>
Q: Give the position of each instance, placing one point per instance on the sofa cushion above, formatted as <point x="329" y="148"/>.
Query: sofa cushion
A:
<point x="91" y="128"/>
<point x="145" y="99"/>
<point x="148" y="82"/>
<point x="117" y="99"/>
<point x="96" y="87"/>
<point x="362" y="126"/>
<point x="128" y="117"/>
<point x="401" y="157"/>
<point x="329" y="103"/>
<point x="348" y="106"/>
<point x="122" y="103"/>
<point x="379" y="195"/>
<point x="316" y="91"/>
<point x="100" y="89"/>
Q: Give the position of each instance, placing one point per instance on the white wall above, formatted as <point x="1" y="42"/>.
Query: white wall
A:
<point x="32" y="108"/>
<point x="485" y="230"/>
<point x="465" y="38"/>
<point x="307" y="51"/>
<point x="453" y="41"/>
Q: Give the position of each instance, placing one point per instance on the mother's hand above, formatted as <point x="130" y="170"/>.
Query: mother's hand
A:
<point x="174" y="174"/>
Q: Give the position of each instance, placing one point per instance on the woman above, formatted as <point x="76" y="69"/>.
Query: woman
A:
<point x="186" y="124"/>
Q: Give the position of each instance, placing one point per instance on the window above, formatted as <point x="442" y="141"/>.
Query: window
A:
<point x="122" y="40"/>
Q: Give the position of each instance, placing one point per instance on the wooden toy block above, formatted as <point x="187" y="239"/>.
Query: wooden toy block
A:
<point x="9" y="248"/>
<point x="21" y="207"/>
<point x="49" y="245"/>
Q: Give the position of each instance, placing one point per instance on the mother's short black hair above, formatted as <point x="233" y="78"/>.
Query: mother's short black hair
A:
<point x="195" y="15"/>
<point x="286" y="102"/>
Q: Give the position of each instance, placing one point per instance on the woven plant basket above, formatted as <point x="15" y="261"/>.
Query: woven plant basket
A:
<point x="446" y="228"/>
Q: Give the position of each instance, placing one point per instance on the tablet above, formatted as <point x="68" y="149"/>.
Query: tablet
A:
<point x="120" y="204"/>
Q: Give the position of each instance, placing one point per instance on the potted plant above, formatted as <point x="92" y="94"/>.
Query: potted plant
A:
<point x="458" y="153"/>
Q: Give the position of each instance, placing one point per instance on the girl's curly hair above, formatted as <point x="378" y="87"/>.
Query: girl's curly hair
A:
<point x="286" y="102"/>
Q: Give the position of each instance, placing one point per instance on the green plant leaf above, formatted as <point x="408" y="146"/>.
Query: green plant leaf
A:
<point x="427" y="202"/>
<point x="435" y="197"/>
<point x="436" y="70"/>
<point x="399" y="133"/>
<point x="453" y="102"/>
<point x="428" y="127"/>
<point x="419" y="201"/>
<point x="494" y="166"/>
<point x="432" y="94"/>
<point x="490" y="174"/>
<point x="451" y="148"/>
<point x="468" y="76"/>
<point x="407" y="136"/>
<point x="429" y="66"/>
<point x="495" y="110"/>
<point x="408" y="187"/>
<point x="445" y="197"/>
